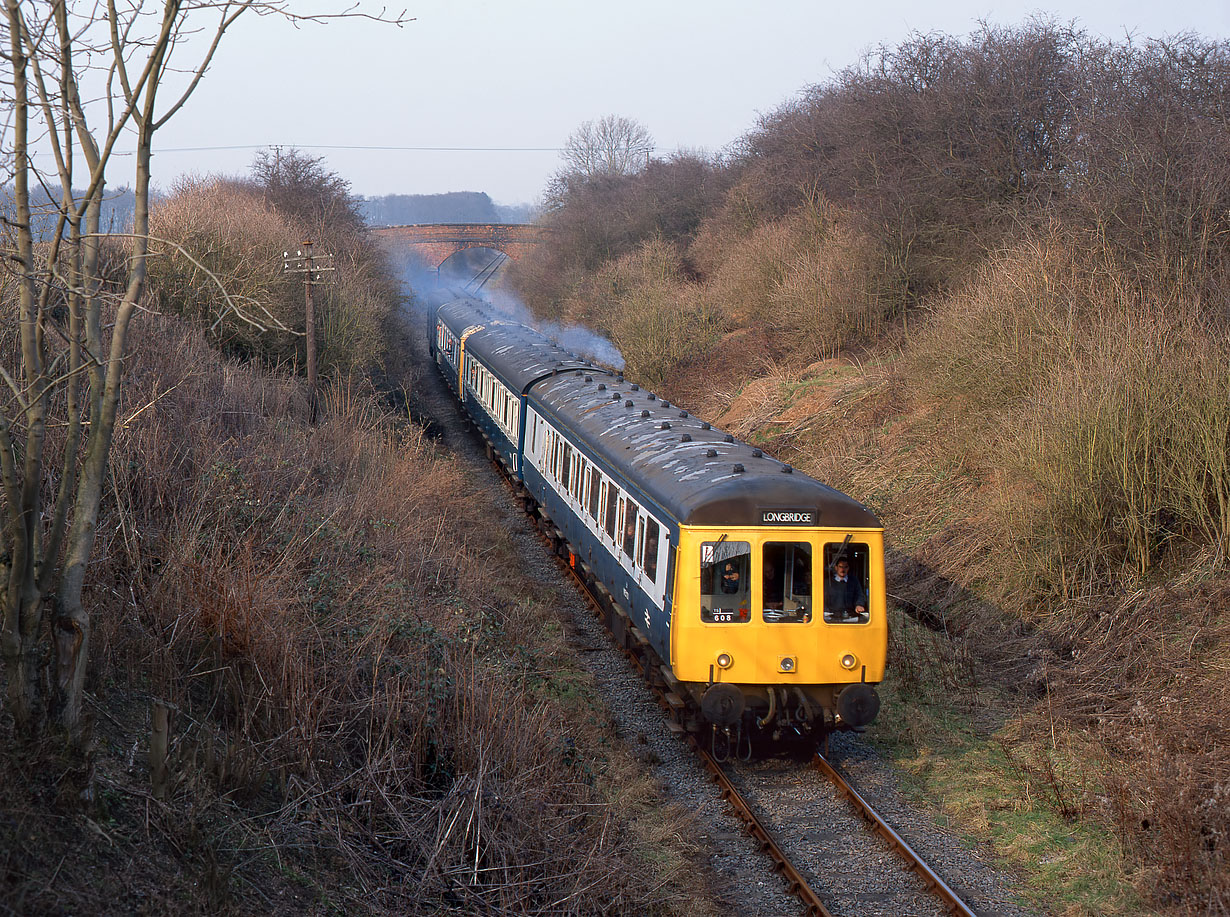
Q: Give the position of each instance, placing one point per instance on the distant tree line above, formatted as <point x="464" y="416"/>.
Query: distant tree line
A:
<point x="45" y="201"/>
<point x="453" y="207"/>
<point x="944" y="149"/>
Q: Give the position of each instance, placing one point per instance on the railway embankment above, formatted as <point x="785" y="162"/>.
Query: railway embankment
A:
<point x="1012" y="346"/>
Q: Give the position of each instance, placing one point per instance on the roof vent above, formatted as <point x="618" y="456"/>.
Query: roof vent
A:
<point x="686" y="438"/>
<point x="578" y="372"/>
<point x="705" y="425"/>
<point x="666" y="425"/>
<point x="620" y="380"/>
<point x="589" y="378"/>
<point x="786" y="469"/>
<point x="739" y="469"/>
<point x="602" y="386"/>
<point x="643" y="413"/>
<point x="712" y="453"/>
<point x="683" y="413"/>
<point x="728" y="438"/>
<point x="628" y="403"/>
<point x="756" y="453"/>
<point x="666" y="404"/>
<point x="635" y="387"/>
<point x="653" y="397"/>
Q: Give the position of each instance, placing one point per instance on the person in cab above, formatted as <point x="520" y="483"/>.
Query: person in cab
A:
<point x="845" y="599"/>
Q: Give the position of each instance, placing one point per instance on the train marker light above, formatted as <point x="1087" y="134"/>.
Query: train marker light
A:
<point x="787" y="664"/>
<point x="724" y="660"/>
<point x="849" y="661"/>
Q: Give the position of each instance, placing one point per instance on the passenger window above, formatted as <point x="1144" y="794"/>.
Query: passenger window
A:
<point x="846" y="569"/>
<point x="612" y="499"/>
<point x="630" y="510"/>
<point x="651" y="550"/>
<point x="725" y="593"/>
<point x="565" y="466"/>
<point x="595" y="487"/>
<point x="785" y="580"/>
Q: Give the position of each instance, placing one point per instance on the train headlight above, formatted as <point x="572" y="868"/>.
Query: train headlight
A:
<point x="849" y="661"/>
<point x="787" y="664"/>
<point x="724" y="661"/>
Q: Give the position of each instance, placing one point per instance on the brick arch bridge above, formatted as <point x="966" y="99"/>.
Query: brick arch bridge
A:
<point x="437" y="242"/>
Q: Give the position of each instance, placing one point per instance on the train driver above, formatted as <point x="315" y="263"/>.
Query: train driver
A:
<point x="730" y="579"/>
<point x="844" y="597"/>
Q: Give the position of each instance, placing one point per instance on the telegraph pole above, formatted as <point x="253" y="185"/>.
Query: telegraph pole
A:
<point x="311" y="266"/>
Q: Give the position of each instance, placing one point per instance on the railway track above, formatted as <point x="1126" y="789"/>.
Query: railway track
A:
<point x="765" y="835"/>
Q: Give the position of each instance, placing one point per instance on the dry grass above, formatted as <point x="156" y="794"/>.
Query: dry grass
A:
<point x="1049" y="455"/>
<point x="364" y="705"/>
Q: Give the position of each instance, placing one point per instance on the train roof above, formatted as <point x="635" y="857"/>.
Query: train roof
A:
<point x="699" y="474"/>
<point x="516" y="353"/>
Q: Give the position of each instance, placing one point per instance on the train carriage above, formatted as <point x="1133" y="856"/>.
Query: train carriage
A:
<point x="722" y="560"/>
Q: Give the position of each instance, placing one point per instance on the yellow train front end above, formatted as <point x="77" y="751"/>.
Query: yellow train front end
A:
<point x="780" y="627"/>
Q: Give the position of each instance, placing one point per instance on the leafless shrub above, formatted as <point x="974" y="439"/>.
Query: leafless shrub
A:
<point x="653" y="317"/>
<point x="297" y="594"/>
<point x="222" y="227"/>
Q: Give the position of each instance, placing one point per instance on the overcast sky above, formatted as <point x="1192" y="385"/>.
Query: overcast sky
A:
<point x="505" y="79"/>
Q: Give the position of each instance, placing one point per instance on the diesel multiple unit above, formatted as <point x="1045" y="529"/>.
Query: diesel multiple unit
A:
<point x="721" y="566"/>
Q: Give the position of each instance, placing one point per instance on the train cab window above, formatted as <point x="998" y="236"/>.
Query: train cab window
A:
<point x="612" y="500"/>
<point x="595" y="489"/>
<point x="785" y="582"/>
<point x="650" y="564"/>
<point x="846" y="567"/>
<point x="725" y="587"/>
<point x="630" y="511"/>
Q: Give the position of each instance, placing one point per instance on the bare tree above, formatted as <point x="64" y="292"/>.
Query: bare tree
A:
<point x="613" y="145"/>
<point x="72" y="321"/>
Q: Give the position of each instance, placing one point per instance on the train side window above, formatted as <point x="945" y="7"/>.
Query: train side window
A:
<point x="612" y="500"/>
<point x="785" y="579"/>
<point x="630" y="510"/>
<point x="578" y="485"/>
<point x="650" y="565"/>
<point x="842" y="600"/>
<point x="565" y="465"/>
<point x="725" y="590"/>
<point x="595" y="488"/>
<point x="640" y="543"/>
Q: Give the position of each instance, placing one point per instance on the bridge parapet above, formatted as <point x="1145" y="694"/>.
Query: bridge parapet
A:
<point x="437" y="242"/>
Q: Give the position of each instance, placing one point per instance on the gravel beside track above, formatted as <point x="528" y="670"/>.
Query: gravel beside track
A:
<point x="849" y="867"/>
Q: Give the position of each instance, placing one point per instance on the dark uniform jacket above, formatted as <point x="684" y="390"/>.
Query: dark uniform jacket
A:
<point x="840" y="599"/>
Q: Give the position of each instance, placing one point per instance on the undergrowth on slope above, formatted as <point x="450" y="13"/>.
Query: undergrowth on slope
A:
<point x="366" y="713"/>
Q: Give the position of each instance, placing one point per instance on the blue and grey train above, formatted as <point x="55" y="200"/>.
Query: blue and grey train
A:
<point x="716" y="563"/>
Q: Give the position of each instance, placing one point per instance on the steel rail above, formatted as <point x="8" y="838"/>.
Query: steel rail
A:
<point x="914" y="862"/>
<point x="768" y="844"/>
